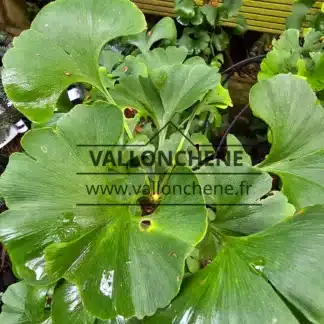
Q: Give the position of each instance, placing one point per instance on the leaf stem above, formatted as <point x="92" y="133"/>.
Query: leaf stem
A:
<point x="109" y="97"/>
<point x="112" y="101"/>
<point x="191" y="119"/>
<point x="127" y="129"/>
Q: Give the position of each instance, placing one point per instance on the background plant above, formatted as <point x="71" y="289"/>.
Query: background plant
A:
<point x="288" y="56"/>
<point x="204" y="33"/>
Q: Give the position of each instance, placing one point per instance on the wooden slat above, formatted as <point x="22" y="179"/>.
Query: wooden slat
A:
<point x="155" y="8"/>
<point x="261" y="15"/>
<point x="158" y="3"/>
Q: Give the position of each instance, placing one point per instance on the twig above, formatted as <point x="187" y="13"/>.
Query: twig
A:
<point x="229" y="129"/>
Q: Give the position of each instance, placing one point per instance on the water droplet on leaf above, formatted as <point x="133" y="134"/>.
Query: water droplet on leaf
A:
<point x="257" y="266"/>
<point x="106" y="283"/>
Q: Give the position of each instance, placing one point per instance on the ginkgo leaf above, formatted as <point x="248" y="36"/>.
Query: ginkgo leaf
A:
<point x="283" y="57"/>
<point x="63" y="47"/>
<point x="218" y="98"/>
<point x="234" y="145"/>
<point x="171" y="89"/>
<point x="313" y="70"/>
<point x="165" y="29"/>
<point x="160" y="58"/>
<point x="110" y="59"/>
<point x="53" y="172"/>
<point x="24" y="304"/>
<point x="58" y="227"/>
<point x="67" y="308"/>
<point x="296" y="120"/>
<point x="242" y="197"/>
<point x="242" y="283"/>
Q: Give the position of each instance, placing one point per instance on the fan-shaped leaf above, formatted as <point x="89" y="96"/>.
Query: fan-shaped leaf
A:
<point x="170" y="89"/>
<point x="58" y="228"/>
<point x="283" y="57"/>
<point x="289" y="106"/>
<point x="24" y="304"/>
<point x="237" y="287"/>
<point x="63" y="47"/>
<point x="165" y="29"/>
<point x="67" y="308"/>
<point x="240" y="197"/>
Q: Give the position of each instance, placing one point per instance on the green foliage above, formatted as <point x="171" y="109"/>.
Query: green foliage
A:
<point x="239" y="278"/>
<point x="52" y="46"/>
<point x="25" y="304"/>
<point x="165" y="29"/>
<point x="297" y="147"/>
<point x="205" y="35"/>
<point x="196" y="11"/>
<point x="287" y="55"/>
<point x="202" y="257"/>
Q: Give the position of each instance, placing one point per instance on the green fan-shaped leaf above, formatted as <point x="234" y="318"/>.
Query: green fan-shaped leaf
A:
<point x="165" y="29"/>
<point x="13" y="299"/>
<point x="24" y="304"/>
<point x="283" y="57"/>
<point x="313" y="70"/>
<point x="131" y="66"/>
<point x="160" y="58"/>
<point x="170" y="89"/>
<point x="289" y="106"/>
<point x="67" y="308"/>
<point x="218" y="98"/>
<point x="210" y="13"/>
<point x="109" y="59"/>
<point x="237" y="287"/>
<point x="57" y="228"/>
<point x="312" y="40"/>
<point x="63" y="47"/>
<point x="234" y="145"/>
<point x="112" y="284"/>
<point x="240" y="197"/>
<point x="52" y="173"/>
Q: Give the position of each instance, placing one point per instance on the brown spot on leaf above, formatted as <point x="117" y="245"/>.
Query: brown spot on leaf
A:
<point x="144" y="225"/>
<point x="139" y="129"/>
<point x="130" y="112"/>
